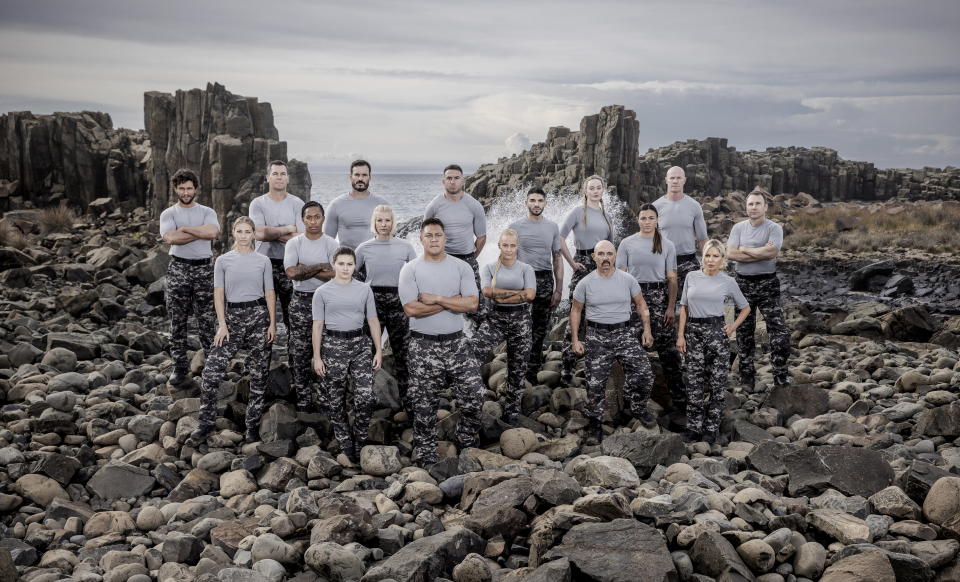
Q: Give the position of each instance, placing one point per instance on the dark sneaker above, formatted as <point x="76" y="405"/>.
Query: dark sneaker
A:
<point x="690" y="437"/>
<point x="594" y="432"/>
<point x="647" y="418"/>
<point x="200" y="435"/>
<point x="253" y="434"/>
<point x="179" y="377"/>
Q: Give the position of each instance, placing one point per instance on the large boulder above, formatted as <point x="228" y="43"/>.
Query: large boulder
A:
<point x="940" y="421"/>
<point x="864" y="567"/>
<point x="853" y="471"/>
<point x="118" y="479"/>
<point x="800" y="399"/>
<point x="622" y="550"/>
<point x="427" y="558"/>
<point x="606" y="471"/>
<point x="645" y="451"/>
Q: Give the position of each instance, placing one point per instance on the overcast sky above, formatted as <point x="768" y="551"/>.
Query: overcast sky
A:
<point x="415" y="85"/>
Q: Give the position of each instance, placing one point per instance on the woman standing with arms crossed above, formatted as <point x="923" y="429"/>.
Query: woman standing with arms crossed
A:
<point x="341" y="351"/>
<point x="590" y="225"/>
<point x="652" y="260"/>
<point x="383" y="257"/>
<point x="703" y="338"/>
<point x="245" y="302"/>
<point x="510" y="285"/>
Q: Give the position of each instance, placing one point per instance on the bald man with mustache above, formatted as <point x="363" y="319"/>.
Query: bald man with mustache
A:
<point x="608" y="295"/>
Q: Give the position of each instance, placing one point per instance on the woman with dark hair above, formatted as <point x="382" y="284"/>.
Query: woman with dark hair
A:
<point x="703" y="338"/>
<point x="652" y="260"/>
<point x="341" y="350"/>
<point x="245" y="302"/>
<point x="590" y="225"/>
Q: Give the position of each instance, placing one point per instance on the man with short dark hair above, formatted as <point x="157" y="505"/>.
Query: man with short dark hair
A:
<point x="540" y="248"/>
<point x="436" y="290"/>
<point x="755" y="245"/>
<point x="348" y="216"/>
<point x="188" y="227"/>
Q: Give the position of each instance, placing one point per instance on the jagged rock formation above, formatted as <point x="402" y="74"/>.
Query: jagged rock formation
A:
<point x="607" y="142"/>
<point x="72" y="157"/>
<point x="228" y="139"/>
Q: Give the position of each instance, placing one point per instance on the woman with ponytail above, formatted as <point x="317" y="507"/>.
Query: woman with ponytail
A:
<point x="510" y="285"/>
<point x="652" y="260"/>
<point x="245" y="302"/>
<point x="590" y="224"/>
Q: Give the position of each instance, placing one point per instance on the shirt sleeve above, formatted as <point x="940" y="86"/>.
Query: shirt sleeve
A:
<point x="622" y="262"/>
<point x="479" y="220"/>
<point x="686" y="287"/>
<point x="371" y="304"/>
<point x="468" y="284"/>
<point x="776" y="235"/>
<point x="411" y="252"/>
<point x="569" y="222"/>
<point x="734" y="291"/>
<point x="267" y="274"/>
<point x="359" y="254"/>
<point x="486" y="275"/>
<point x="210" y="217"/>
<point x="291" y="253"/>
<point x="634" y="287"/>
<point x="431" y="210"/>
<point x="256" y="213"/>
<point x="671" y="251"/>
<point x="734" y="239"/>
<point x="556" y="239"/>
<point x="407" y="285"/>
<point x="167" y="223"/>
<point x="298" y="217"/>
<point x="317" y="306"/>
<point x="529" y="278"/>
<point x="219" y="271"/>
<point x="332" y="223"/>
<point x="699" y="225"/>
<point x="580" y="291"/>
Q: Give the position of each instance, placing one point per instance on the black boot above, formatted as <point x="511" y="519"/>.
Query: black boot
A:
<point x="253" y="433"/>
<point x="646" y="418"/>
<point x="180" y="376"/>
<point x="199" y="436"/>
<point x="594" y="432"/>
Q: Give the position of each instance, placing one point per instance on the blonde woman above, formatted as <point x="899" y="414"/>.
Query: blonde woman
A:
<point x="590" y="224"/>
<point x="382" y="258"/>
<point x="510" y="285"/>
<point x="245" y="302"/>
<point x="702" y="337"/>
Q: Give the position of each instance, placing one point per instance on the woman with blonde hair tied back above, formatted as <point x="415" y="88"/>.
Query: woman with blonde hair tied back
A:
<point x="510" y="285"/>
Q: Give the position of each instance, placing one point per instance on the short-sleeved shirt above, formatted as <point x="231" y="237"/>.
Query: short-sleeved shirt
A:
<point x="243" y="276"/>
<point x="348" y="218"/>
<point x="636" y="256"/>
<point x="197" y="215"/>
<point x="302" y="251"/>
<point x="539" y="239"/>
<point x="383" y="260"/>
<point x="519" y="275"/>
<point x="343" y="306"/>
<point x="682" y="222"/>
<point x="704" y="295"/>
<point x="744" y="234"/>
<point x="264" y="211"/>
<point x="463" y="221"/>
<point x="607" y="299"/>
<point x="447" y="278"/>
<point x="587" y="230"/>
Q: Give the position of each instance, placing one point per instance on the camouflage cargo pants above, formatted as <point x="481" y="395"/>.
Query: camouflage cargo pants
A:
<point x="248" y="331"/>
<point x="685" y="264"/>
<point x="188" y="291"/>
<point x="300" y="344"/>
<point x="347" y="358"/>
<point x="395" y="321"/>
<point x="432" y="363"/>
<point x="763" y="295"/>
<point x="540" y="314"/>
<point x="283" y="287"/>
<point x="512" y="326"/>
<point x="570" y="358"/>
<point x="664" y="340"/>
<point x="707" y="361"/>
<point x="603" y="347"/>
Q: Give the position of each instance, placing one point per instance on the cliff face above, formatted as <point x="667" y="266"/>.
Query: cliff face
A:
<point x="607" y="144"/>
<point x="72" y="157"/>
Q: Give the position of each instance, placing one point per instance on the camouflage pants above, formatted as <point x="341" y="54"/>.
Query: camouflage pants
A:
<point x="763" y="295"/>
<point x="664" y="340"/>
<point x="540" y="313"/>
<point x="345" y="359"/>
<point x="248" y="331"/>
<point x="514" y="327"/>
<point x="283" y="287"/>
<point x="395" y="321"/>
<point x="478" y="316"/>
<point x="300" y="345"/>
<point x="603" y="347"/>
<point x="570" y="358"/>
<point x="707" y="362"/>
<point x="432" y="363"/>
<point x="684" y="267"/>
<point x="189" y="290"/>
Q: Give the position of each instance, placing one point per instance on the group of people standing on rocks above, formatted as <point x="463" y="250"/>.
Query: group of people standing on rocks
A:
<point x="340" y="277"/>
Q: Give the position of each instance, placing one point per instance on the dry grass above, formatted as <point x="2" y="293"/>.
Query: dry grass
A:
<point x="56" y="218"/>
<point x="927" y="227"/>
<point x="12" y="237"/>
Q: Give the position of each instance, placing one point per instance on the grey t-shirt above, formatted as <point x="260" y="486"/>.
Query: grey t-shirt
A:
<point x="344" y="306"/>
<point x="265" y="212"/>
<point x="744" y="234"/>
<point x="384" y="259"/>
<point x="197" y="215"/>
<point x="538" y="241"/>
<point x="462" y="222"/>
<point x="243" y="276"/>
<point x="517" y="276"/>
<point x="348" y="218"/>
<point x="607" y="299"/>
<point x="303" y="251"/>
<point x="586" y="236"/>
<point x="682" y="222"/>
<point x="449" y="277"/>
<point x="704" y="295"/>
<point x="637" y="257"/>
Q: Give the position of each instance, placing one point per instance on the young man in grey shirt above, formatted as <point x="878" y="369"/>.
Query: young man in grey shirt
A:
<point x="755" y="244"/>
<point x="188" y="227"/>
<point x="681" y="221"/>
<point x="436" y="290"/>
<point x="348" y="217"/>
<point x="609" y="295"/>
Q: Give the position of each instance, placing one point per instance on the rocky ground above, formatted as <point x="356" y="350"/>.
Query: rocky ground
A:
<point x="851" y="473"/>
